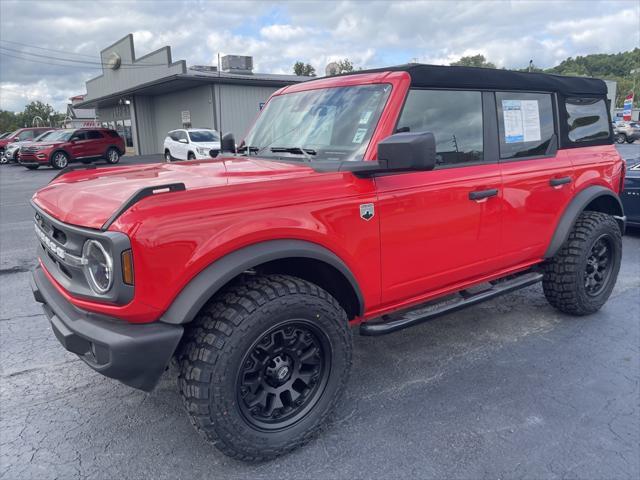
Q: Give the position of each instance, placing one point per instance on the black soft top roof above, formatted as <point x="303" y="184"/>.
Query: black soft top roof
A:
<point x="438" y="76"/>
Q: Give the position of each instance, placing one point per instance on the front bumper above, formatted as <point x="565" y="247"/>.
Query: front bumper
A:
<point x="38" y="158"/>
<point x="135" y="354"/>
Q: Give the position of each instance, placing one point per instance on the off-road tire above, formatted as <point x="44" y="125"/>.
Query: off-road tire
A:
<point x="564" y="276"/>
<point x="215" y="349"/>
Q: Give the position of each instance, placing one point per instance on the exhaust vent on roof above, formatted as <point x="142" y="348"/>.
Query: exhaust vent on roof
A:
<point x="237" y="64"/>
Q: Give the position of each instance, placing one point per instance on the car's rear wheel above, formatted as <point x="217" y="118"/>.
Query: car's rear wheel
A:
<point x="59" y="160"/>
<point x="191" y="156"/>
<point x="113" y="156"/>
<point x="264" y="365"/>
<point x="167" y="156"/>
<point x="580" y="277"/>
<point x="620" y="138"/>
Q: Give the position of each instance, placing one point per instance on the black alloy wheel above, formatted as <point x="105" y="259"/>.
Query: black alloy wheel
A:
<point x="283" y="375"/>
<point x="599" y="265"/>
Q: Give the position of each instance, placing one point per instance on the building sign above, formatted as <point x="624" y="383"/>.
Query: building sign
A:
<point x="186" y="116"/>
<point x="627" y="108"/>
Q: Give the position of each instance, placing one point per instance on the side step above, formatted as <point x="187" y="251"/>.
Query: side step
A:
<point x="451" y="303"/>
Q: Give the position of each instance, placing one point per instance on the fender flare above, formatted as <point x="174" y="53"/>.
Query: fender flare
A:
<point x="574" y="209"/>
<point x="205" y="284"/>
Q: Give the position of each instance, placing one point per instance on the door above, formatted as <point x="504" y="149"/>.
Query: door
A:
<point x="96" y="145"/>
<point x="441" y="227"/>
<point x="79" y="144"/>
<point x="537" y="178"/>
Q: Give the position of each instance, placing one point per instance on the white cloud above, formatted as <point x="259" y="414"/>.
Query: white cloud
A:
<point x="277" y="34"/>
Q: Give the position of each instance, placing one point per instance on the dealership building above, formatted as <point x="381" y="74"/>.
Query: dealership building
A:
<point x="144" y="98"/>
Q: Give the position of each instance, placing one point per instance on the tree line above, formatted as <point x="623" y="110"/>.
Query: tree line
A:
<point x="34" y="114"/>
<point x="615" y="66"/>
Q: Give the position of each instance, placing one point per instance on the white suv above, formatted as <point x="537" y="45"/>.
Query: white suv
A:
<point x="190" y="144"/>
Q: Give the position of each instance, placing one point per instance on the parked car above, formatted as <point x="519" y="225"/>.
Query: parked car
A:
<point x="20" y="135"/>
<point x="377" y="199"/>
<point x="626" y="132"/>
<point x="11" y="151"/>
<point x="69" y="145"/>
<point x="631" y="195"/>
<point x="190" y="144"/>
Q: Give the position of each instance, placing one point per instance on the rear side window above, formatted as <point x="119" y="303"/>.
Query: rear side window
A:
<point x="587" y="119"/>
<point x="93" y="134"/>
<point x="525" y="123"/>
<point x="454" y="118"/>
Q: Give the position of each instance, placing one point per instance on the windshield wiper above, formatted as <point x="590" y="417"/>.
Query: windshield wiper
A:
<point x="296" y="151"/>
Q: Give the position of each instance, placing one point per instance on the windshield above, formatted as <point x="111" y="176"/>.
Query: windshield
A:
<point x="45" y="135"/>
<point x="328" y="123"/>
<point x="201" y="136"/>
<point x="63" y="135"/>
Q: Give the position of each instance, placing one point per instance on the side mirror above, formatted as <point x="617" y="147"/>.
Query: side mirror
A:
<point x="213" y="153"/>
<point x="183" y="140"/>
<point x="401" y="152"/>
<point x="228" y="143"/>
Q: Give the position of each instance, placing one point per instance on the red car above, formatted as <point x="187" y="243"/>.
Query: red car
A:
<point x="65" y="146"/>
<point x="380" y="199"/>
<point x="21" y="135"/>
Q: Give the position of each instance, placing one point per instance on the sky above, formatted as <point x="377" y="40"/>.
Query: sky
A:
<point x="34" y="35"/>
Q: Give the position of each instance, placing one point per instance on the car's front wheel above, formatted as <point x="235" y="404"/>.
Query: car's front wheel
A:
<point x="113" y="156"/>
<point x="580" y="277"/>
<point x="59" y="160"/>
<point x="620" y="138"/>
<point x="191" y="156"/>
<point x="264" y="365"/>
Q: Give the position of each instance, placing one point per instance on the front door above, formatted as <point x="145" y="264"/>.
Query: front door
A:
<point x="79" y="144"/>
<point x="442" y="227"/>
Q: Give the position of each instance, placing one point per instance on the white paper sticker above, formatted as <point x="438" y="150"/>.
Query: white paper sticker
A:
<point x="521" y="121"/>
<point x="531" y="120"/>
<point x="359" y="136"/>
<point x="364" y="118"/>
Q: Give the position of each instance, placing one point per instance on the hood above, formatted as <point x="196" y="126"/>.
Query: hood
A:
<point x="88" y="198"/>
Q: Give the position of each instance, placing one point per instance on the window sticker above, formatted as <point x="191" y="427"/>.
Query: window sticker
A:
<point x="521" y="121"/>
<point x="364" y="118"/>
<point x="359" y="136"/>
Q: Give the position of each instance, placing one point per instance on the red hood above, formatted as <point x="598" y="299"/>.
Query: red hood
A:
<point x="89" y="197"/>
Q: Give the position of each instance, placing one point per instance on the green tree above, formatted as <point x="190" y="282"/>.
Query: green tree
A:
<point x="9" y="121"/>
<point x="304" y="69"/>
<point x="474" y="61"/>
<point x="345" y="66"/>
<point x="37" y="109"/>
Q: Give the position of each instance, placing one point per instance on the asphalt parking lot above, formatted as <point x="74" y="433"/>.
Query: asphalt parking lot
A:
<point x="507" y="389"/>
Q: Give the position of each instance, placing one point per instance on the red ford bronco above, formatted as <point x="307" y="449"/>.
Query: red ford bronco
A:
<point x="379" y="199"/>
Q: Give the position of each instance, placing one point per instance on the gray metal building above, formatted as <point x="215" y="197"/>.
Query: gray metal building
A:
<point x="144" y="98"/>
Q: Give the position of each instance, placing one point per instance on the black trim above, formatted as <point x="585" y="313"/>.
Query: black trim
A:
<point x="575" y="208"/>
<point x="204" y="285"/>
<point x="482" y="194"/>
<point x="139" y="195"/>
<point x="393" y="323"/>
<point x="135" y="354"/>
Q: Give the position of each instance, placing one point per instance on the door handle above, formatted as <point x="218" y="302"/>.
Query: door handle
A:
<point x="482" y="194"/>
<point x="556" y="182"/>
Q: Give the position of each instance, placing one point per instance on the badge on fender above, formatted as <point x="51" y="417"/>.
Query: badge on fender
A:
<point x="366" y="211"/>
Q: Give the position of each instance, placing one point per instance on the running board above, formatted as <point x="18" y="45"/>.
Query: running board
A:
<point x="464" y="298"/>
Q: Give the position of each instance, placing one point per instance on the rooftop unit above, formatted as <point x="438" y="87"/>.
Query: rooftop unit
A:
<point x="237" y="64"/>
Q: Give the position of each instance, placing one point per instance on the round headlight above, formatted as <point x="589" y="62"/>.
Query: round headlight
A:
<point x="98" y="267"/>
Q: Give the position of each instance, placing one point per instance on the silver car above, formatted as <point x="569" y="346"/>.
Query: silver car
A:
<point x="626" y="132"/>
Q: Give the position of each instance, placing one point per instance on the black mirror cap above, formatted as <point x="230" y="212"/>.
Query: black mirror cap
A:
<point x="408" y="151"/>
<point x="214" y="152"/>
<point x="228" y="143"/>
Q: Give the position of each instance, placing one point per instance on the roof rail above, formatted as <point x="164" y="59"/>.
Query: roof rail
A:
<point x="139" y="195"/>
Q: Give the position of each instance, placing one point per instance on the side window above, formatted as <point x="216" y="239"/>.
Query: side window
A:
<point x="525" y="123"/>
<point x="82" y="135"/>
<point x="182" y="135"/>
<point x="173" y="136"/>
<point x="587" y="119"/>
<point x="94" y="135"/>
<point x="26" y="135"/>
<point x="454" y="118"/>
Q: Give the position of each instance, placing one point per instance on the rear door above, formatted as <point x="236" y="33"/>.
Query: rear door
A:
<point x="442" y="227"/>
<point x="96" y="145"/>
<point x="538" y="180"/>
